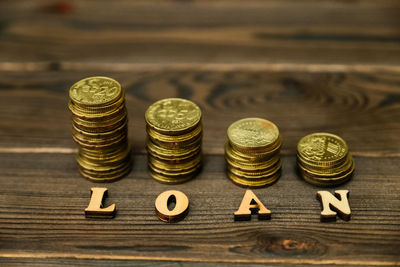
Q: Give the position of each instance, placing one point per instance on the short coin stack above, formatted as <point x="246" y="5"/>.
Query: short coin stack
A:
<point x="323" y="159"/>
<point x="174" y="140"/>
<point x="252" y="152"/>
<point x="99" y="127"/>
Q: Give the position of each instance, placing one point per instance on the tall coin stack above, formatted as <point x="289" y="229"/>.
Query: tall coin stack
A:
<point x="323" y="159"/>
<point x="252" y="152"/>
<point x="99" y="127"/>
<point x="174" y="140"/>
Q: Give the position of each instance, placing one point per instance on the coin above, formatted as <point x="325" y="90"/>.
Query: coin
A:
<point x="322" y="149"/>
<point x="252" y="133"/>
<point x="173" y="116"/>
<point x="249" y="160"/>
<point x="323" y="159"/>
<point x="174" y="159"/>
<point x="95" y="91"/>
<point x="252" y="152"/>
<point x="99" y="127"/>
<point x="328" y="183"/>
<point x="195" y="133"/>
<point x="256" y="175"/>
<point x="174" y="132"/>
<point x="172" y="180"/>
<point x="250" y="184"/>
<point x="96" y="115"/>
<point x="177" y="145"/>
<point x="167" y="153"/>
<point x="173" y="166"/>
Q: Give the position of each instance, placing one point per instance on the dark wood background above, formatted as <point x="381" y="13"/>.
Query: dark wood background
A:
<point x="306" y="65"/>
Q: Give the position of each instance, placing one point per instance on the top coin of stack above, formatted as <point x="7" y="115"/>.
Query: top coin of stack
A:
<point x="99" y="127"/>
<point x="252" y="152"/>
<point x="174" y="140"/>
<point x="323" y="159"/>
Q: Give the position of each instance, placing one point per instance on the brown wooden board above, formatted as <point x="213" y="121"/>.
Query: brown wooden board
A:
<point x="43" y="200"/>
<point x="329" y="32"/>
<point x="305" y="65"/>
<point x="363" y="108"/>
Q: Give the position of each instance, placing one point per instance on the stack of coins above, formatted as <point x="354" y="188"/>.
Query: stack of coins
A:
<point x="174" y="140"/>
<point x="323" y="159"/>
<point x="252" y="152"/>
<point x="99" y="127"/>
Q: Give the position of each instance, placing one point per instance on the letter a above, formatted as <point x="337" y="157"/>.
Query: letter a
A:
<point x="251" y="205"/>
<point x="95" y="208"/>
<point x="331" y="205"/>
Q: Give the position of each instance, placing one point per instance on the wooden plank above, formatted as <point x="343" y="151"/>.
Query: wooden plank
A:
<point x="363" y="108"/>
<point x="326" y="32"/>
<point x="42" y="216"/>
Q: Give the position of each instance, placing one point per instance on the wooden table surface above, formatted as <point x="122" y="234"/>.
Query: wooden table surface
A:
<point x="306" y="65"/>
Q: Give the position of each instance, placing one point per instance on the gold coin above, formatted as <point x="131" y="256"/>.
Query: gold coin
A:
<point x="110" y="177"/>
<point x="250" y="184"/>
<point x="328" y="177"/>
<point x="176" y="180"/>
<point x="258" y="175"/>
<point x="116" y="157"/>
<point x="92" y="164"/>
<point x="171" y="153"/>
<point x="168" y="166"/>
<point x="99" y="111"/>
<point x="238" y="157"/>
<point x="115" y="143"/>
<point x="328" y="171"/>
<point x="174" y="159"/>
<point x="327" y="182"/>
<point x="322" y="168"/>
<point x="178" y="145"/>
<point x="251" y="166"/>
<point x="95" y="91"/>
<point x="96" y="116"/>
<point x="323" y="149"/>
<point x="187" y="137"/>
<point x="252" y="134"/>
<point x="101" y="129"/>
<point x="103" y="121"/>
<point x="99" y="155"/>
<point x="103" y="135"/>
<point x="175" y="173"/>
<point x="100" y="167"/>
<point x="95" y="141"/>
<point x="104" y="172"/>
<point x="253" y="156"/>
<point x="173" y="116"/>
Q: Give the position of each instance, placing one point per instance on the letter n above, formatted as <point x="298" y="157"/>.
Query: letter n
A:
<point x="334" y="205"/>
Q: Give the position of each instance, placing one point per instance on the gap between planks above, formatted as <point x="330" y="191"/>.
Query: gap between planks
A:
<point x="219" y="67"/>
<point x="68" y="150"/>
<point x="191" y="259"/>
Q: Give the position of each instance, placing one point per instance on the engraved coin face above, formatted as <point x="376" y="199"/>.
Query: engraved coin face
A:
<point x="173" y="115"/>
<point x="322" y="148"/>
<point x="95" y="91"/>
<point x="253" y="133"/>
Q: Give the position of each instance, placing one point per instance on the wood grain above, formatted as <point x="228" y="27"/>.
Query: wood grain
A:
<point x="329" y="32"/>
<point x="43" y="200"/>
<point x="363" y="108"/>
<point x="306" y="65"/>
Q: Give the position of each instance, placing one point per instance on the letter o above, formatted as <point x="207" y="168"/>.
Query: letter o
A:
<point x="180" y="210"/>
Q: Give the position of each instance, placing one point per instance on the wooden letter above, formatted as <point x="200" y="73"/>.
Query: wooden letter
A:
<point x="178" y="212"/>
<point x="334" y="204"/>
<point x="95" y="208"/>
<point x="251" y="205"/>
